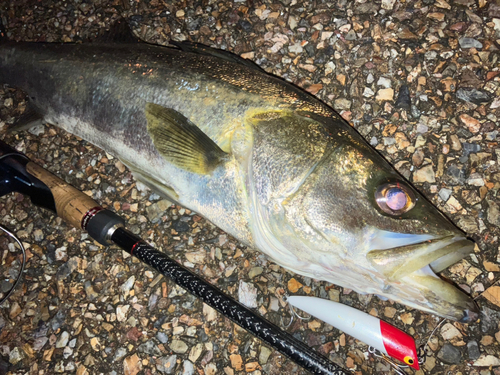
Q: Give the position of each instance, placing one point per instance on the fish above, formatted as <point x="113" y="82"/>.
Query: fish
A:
<point x="260" y="158"/>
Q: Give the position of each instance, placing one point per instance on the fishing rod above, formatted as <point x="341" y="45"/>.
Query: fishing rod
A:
<point x="18" y="173"/>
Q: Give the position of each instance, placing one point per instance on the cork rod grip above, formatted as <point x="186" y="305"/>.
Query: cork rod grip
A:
<point x="71" y="203"/>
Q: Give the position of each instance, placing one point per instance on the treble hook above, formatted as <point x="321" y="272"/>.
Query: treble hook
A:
<point x="398" y="368"/>
<point x="13" y="236"/>
<point x="293" y="313"/>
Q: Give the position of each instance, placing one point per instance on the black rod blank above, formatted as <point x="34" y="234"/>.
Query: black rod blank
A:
<point x="280" y="340"/>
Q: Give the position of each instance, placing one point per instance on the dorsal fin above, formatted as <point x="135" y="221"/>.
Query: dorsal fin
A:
<point x="202" y="49"/>
<point x="119" y="32"/>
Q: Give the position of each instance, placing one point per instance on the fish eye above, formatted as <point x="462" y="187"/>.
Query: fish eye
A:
<point x="409" y="360"/>
<point x="394" y="198"/>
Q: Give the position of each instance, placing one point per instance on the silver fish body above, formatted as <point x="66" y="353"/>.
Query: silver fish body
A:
<point x="260" y="158"/>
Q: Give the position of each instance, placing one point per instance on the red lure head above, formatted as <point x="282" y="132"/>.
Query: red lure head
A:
<point x="399" y="345"/>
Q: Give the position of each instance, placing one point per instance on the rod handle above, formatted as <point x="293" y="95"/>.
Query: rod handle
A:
<point x="71" y="204"/>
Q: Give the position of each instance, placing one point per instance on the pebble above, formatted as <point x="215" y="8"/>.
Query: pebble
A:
<point x="470" y="43"/>
<point x="424" y="174"/>
<point x="473" y="96"/>
<point x="63" y="340"/>
<point x="120" y="353"/>
<point x="473" y="350"/>
<point x="178" y="346"/>
<point x="247" y="294"/>
<point x="385" y="95"/>
<point x="162" y="337"/>
<point x="473" y="124"/>
<point x="450" y="354"/>
<point x="16" y="355"/>
<point x="403" y="100"/>
<point x="167" y="364"/>
<point x="188" y="368"/>
<point x="487" y="361"/>
<point x="132" y="365"/>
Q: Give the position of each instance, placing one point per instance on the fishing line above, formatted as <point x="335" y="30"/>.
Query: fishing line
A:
<point x="23" y="263"/>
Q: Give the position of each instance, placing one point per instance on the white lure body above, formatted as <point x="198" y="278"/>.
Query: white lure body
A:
<point x="362" y="326"/>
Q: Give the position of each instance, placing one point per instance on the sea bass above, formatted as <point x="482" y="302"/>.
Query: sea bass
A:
<point x="260" y="158"/>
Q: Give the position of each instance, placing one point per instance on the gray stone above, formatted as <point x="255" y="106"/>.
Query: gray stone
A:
<point x="63" y="340"/>
<point x="167" y="364"/>
<point x="473" y="350"/>
<point x="16" y="355"/>
<point x="162" y="337"/>
<point x="120" y="353"/>
<point x="149" y="347"/>
<point x="178" y="346"/>
<point x="493" y="213"/>
<point x="188" y="368"/>
<point x="342" y="104"/>
<point x="351" y="35"/>
<point x="445" y="194"/>
<point x="264" y="354"/>
<point x="473" y="95"/>
<point x="449" y="354"/>
<point x="255" y="271"/>
<point x="470" y="43"/>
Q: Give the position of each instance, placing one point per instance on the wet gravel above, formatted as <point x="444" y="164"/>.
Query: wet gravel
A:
<point x="420" y="80"/>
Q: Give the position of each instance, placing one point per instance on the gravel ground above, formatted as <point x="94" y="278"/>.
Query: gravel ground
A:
<point x="419" y="80"/>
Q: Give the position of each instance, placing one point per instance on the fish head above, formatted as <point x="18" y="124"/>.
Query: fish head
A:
<point x="361" y="225"/>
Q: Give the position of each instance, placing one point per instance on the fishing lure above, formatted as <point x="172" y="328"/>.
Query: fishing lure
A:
<point x="380" y="335"/>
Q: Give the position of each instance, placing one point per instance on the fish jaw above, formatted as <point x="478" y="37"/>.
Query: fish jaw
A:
<point x="411" y="270"/>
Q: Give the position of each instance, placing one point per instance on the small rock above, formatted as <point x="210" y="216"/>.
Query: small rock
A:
<point x="236" y="362"/>
<point x="469" y="121"/>
<point x="39" y="343"/>
<point x="342" y="104"/>
<point x="385" y="94"/>
<point x="162" y="337"/>
<point x="473" y="350"/>
<point x="178" y="346"/>
<point x="188" y="368"/>
<point x="424" y="174"/>
<point x="149" y="347"/>
<point x="121" y="312"/>
<point x="472" y="95"/>
<point x="63" y="340"/>
<point x="255" y="271"/>
<point x="449" y="332"/>
<point x="127" y="285"/>
<point x="166" y="364"/>
<point x="294" y="285"/>
<point x="445" y="194"/>
<point x="384" y="82"/>
<point x="247" y="294"/>
<point x="403" y="100"/>
<point x="449" y="354"/>
<point x="493" y="213"/>
<point x="264" y="354"/>
<point x="470" y="43"/>
<point x="132" y="365"/>
<point x="487" y="361"/>
<point x="16" y="355"/>
<point x="120" y="353"/>
<point x="388" y="4"/>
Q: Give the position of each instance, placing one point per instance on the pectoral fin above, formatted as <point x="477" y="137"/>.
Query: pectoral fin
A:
<point x="181" y="142"/>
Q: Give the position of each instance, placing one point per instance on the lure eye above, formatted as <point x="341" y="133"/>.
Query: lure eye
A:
<point x="394" y="198"/>
<point x="409" y="360"/>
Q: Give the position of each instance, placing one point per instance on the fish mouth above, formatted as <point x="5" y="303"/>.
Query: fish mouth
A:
<point x="413" y="268"/>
